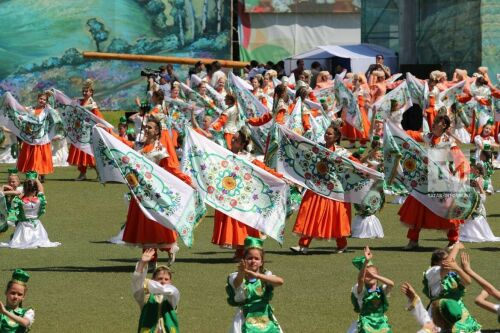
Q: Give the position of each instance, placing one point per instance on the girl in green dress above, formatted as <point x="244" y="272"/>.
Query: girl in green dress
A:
<point x="13" y="317"/>
<point x="251" y="290"/>
<point x="157" y="297"/>
<point x="447" y="280"/>
<point x="369" y="298"/>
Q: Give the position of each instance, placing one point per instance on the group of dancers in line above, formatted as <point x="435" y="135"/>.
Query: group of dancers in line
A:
<point x="250" y="290"/>
<point x="157" y="138"/>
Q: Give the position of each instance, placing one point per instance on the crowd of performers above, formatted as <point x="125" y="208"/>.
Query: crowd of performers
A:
<point x="156" y="132"/>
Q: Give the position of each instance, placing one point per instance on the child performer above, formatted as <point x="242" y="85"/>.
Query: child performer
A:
<point x="476" y="228"/>
<point x="365" y="224"/>
<point x="13" y="187"/>
<point x="76" y="156"/>
<point x="446" y="312"/>
<point x="251" y="290"/>
<point x="36" y="157"/>
<point x="13" y="317"/>
<point x="370" y="299"/>
<point x="26" y="212"/>
<point x="157" y="298"/>
<point x="446" y="280"/>
<point x="488" y="288"/>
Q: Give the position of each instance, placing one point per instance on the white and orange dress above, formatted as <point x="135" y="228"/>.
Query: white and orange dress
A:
<point x="416" y="215"/>
<point x="323" y="218"/>
<point x="139" y="230"/>
<point x="229" y="232"/>
<point x="77" y="156"/>
<point x="36" y="157"/>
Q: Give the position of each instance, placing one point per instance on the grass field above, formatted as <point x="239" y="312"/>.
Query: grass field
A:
<point x="84" y="285"/>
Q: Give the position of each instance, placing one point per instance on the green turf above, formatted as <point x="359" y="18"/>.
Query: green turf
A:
<point x="84" y="285"/>
<point x="113" y="117"/>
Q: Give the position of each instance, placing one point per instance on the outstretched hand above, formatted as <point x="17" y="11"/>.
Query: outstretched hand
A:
<point x="408" y="290"/>
<point x="148" y="255"/>
<point x="464" y="257"/>
<point x="368" y="253"/>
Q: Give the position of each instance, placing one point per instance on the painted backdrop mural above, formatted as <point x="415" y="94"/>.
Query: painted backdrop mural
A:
<point x="41" y="43"/>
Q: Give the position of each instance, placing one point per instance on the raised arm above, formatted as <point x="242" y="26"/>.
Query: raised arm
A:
<point x="484" y="303"/>
<point x="24" y="322"/>
<point x="487" y="286"/>
<point x="362" y="272"/>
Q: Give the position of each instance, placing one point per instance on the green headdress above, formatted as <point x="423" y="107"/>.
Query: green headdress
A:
<point x="12" y="171"/>
<point x="359" y="262"/>
<point x="361" y="151"/>
<point x="378" y="117"/>
<point x="20" y="276"/>
<point x="123" y="120"/>
<point x="490" y="121"/>
<point x="253" y="243"/>
<point x="450" y="310"/>
<point x="31" y="175"/>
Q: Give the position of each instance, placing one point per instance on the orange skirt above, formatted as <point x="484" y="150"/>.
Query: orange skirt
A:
<point x="79" y="157"/>
<point x="141" y="231"/>
<point x="323" y="218"/>
<point x="35" y="158"/>
<point x="350" y="133"/>
<point x="417" y="216"/>
<point x="230" y="232"/>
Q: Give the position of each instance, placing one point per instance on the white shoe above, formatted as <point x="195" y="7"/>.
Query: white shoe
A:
<point x="299" y="249"/>
<point x="342" y="250"/>
<point x="171" y="254"/>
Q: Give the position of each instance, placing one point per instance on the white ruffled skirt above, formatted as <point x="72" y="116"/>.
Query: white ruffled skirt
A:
<point x="477" y="229"/>
<point x="29" y="235"/>
<point x="366" y="227"/>
<point x="118" y="239"/>
<point x="60" y="153"/>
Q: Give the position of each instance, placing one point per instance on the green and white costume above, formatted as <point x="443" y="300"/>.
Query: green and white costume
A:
<point x="8" y="325"/>
<point x="371" y="306"/>
<point x="254" y="314"/>
<point x="29" y="232"/>
<point x="158" y="304"/>
<point x="450" y="286"/>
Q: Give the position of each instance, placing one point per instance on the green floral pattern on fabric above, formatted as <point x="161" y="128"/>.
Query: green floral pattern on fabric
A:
<point x="78" y="124"/>
<point x="152" y="192"/>
<point x="407" y="162"/>
<point x="346" y="98"/>
<point x="328" y="173"/>
<point x="234" y="184"/>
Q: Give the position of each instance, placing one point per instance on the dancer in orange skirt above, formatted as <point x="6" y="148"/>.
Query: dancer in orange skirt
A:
<point x="321" y="217"/>
<point x="229" y="232"/>
<point x="139" y="230"/>
<point x="362" y="90"/>
<point x="413" y="213"/>
<point x="36" y="157"/>
<point x="76" y="156"/>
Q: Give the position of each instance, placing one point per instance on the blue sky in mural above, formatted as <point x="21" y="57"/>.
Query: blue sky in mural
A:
<point x="41" y="43"/>
<point x="61" y="24"/>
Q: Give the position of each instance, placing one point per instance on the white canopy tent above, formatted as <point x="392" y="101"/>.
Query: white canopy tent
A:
<point x="358" y="57"/>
